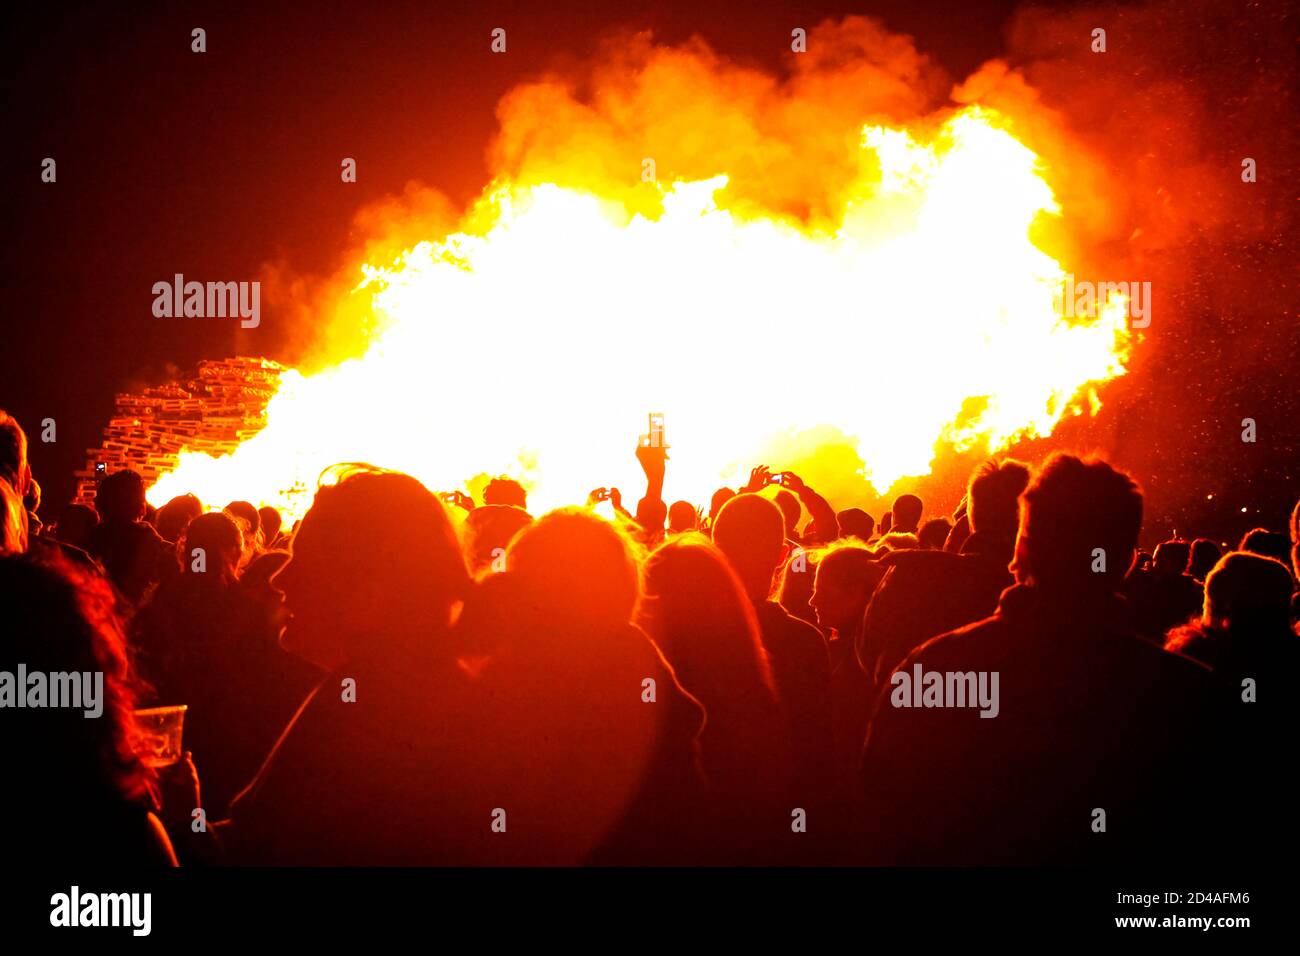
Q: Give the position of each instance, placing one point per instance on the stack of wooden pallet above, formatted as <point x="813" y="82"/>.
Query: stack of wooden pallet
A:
<point x="214" y="412"/>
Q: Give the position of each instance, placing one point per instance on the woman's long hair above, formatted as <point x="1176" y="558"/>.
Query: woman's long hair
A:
<point x="696" y="610"/>
<point x="60" y="618"/>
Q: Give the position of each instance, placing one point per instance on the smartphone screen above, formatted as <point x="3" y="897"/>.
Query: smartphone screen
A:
<point x="656" y="431"/>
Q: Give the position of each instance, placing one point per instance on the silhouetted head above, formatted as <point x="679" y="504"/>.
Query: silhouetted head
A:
<point x="505" y="491"/>
<point x="682" y="517"/>
<point x="1075" y="515"/>
<point x="720" y="498"/>
<point x="651" y="514"/>
<point x="696" y="610"/>
<point x="120" y="499"/>
<point x="1205" y="555"/>
<point x="487" y="532"/>
<point x="906" y="513"/>
<point x="856" y="523"/>
<point x="58" y="618"/>
<point x="1171" y="557"/>
<point x="376" y="572"/>
<point x="993" y="497"/>
<point x="13" y="454"/>
<point x="790" y="511"/>
<point x="1271" y="544"/>
<point x="1248" y="592"/>
<point x="270" y="522"/>
<point x="751" y="533"/>
<point x="795" y="582"/>
<point x="246" y="512"/>
<point x="846" y="579"/>
<point x="934" y="533"/>
<point x="574" y="568"/>
<point x="175" y="516"/>
<point x="212" y="547"/>
<point x="257" y="576"/>
<point x="75" y="524"/>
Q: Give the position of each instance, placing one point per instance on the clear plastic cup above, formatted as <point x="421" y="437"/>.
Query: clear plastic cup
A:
<point x="158" y="734"/>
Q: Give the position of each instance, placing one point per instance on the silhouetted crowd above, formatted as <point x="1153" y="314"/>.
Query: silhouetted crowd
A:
<point x="408" y="678"/>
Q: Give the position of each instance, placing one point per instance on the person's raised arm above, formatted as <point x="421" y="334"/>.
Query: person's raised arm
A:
<point x="823" y="528"/>
<point x="616" y="500"/>
<point x="614" y="497"/>
<point x="759" y="478"/>
<point x="652" y="459"/>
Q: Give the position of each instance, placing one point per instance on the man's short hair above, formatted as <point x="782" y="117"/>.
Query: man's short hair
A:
<point x="1076" y="512"/>
<point x="1172" y="556"/>
<point x="993" y="496"/>
<point x="1205" y="555"/>
<point x="934" y="533"/>
<point x="505" y="491"/>
<point x="651" y="514"/>
<point x="682" y="516"/>
<point x="1271" y="544"/>
<point x="121" y="496"/>
<point x="906" y="513"/>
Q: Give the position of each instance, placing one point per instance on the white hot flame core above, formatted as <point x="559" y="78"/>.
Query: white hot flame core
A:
<point x="537" y="346"/>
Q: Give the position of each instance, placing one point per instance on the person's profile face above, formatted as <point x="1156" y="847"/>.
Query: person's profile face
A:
<point x="312" y="616"/>
<point x="1019" y="566"/>
<point x="835" y="604"/>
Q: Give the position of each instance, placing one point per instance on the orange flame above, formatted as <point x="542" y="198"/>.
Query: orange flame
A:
<point x="535" y="341"/>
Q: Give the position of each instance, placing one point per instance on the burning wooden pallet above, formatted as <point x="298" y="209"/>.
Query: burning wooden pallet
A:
<point x="214" y="412"/>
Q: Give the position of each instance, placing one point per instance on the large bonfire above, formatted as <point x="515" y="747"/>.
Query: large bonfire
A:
<point x="911" y="305"/>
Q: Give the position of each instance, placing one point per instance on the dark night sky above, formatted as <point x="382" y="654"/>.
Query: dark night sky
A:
<point x="216" y="164"/>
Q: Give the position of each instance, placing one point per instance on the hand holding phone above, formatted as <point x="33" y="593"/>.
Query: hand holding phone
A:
<point x="792" y="481"/>
<point x="655" y="432"/>
<point x="758" y="477"/>
<point x="458" y="498"/>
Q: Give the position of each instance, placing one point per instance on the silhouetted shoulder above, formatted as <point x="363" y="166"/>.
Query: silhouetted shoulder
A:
<point x="786" y="629"/>
<point x="917" y="559"/>
<point x="51" y="548"/>
<point x="974" y="639"/>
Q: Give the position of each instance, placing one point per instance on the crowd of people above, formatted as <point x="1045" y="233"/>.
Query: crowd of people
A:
<point x="405" y="677"/>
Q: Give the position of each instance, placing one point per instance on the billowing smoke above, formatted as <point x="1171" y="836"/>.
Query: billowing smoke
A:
<point x="1142" y="147"/>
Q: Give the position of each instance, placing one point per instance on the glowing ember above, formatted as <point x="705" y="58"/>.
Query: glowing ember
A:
<point x="535" y="342"/>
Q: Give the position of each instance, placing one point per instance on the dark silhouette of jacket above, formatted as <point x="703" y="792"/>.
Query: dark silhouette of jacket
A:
<point x="1090" y="718"/>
